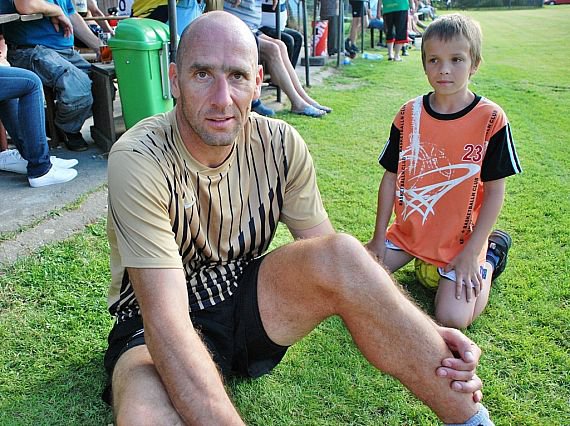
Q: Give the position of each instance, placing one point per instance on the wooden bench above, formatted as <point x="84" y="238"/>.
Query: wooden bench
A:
<point x="106" y="127"/>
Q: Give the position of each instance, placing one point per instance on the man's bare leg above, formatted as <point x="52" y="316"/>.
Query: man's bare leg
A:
<point x="139" y="397"/>
<point x="305" y="282"/>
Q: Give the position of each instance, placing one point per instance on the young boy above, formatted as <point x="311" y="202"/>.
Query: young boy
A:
<point x="446" y="161"/>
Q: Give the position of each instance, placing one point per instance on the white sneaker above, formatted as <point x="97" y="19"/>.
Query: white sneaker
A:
<point x="12" y="161"/>
<point x="55" y="175"/>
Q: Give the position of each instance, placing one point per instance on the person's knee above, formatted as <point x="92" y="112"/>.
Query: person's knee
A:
<point x="453" y="318"/>
<point x="346" y="258"/>
<point x="140" y="414"/>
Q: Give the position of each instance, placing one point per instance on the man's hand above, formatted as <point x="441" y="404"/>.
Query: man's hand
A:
<point x="63" y="22"/>
<point x="461" y="370"/>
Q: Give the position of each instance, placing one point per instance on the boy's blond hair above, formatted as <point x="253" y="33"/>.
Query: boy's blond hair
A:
<point x="448" y="27"/>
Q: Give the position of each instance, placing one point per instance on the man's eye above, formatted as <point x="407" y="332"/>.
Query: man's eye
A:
<point x="458" y="59"/>
<point x="201" y="74"/>
<point x="238" y="76"/>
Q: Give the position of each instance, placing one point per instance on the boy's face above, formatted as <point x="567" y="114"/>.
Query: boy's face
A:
<point x="448" y="65"/>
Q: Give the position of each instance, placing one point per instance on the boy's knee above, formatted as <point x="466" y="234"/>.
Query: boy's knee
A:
<point x="458" y="320"/>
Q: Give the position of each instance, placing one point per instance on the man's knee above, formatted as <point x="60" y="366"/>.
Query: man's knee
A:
<point x="140" y="414"/>
<point x="347" y="261"/>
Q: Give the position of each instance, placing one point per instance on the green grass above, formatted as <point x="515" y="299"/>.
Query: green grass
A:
<point x="53" y="319"/>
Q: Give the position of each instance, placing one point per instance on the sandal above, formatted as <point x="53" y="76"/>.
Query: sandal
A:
<point x="322" y="107"/>
<point x="310" y="111"/>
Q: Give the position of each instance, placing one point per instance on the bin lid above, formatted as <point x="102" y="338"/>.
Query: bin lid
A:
<point x="140" y="34"/>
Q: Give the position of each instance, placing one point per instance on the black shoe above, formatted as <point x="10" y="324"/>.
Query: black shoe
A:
<point x="499" y="243"/>
<point x="75" y="142"/>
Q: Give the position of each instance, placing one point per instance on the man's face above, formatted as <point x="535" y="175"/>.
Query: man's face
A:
<point x="214" y="86"/>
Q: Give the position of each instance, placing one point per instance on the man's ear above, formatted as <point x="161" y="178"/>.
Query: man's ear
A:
<point x="258" y="81"/>
<point x="173" y="76"/>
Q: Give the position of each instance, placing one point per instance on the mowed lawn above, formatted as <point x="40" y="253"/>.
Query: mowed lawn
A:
<point x="53" y="318"/>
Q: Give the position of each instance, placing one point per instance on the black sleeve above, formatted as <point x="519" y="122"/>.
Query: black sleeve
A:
<point x="501" y="158"/>
<point x="390" y="154"/>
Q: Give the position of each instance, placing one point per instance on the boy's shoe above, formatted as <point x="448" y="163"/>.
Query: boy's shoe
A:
<point x="499" y="243"/>
<point x="75" y="142"/>
<point x="53" y="176"/>
<point x="12" y="161"/>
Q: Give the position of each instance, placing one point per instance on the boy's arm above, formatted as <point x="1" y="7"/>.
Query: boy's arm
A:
<point x="386" y="194"/>
<point x="465" y="263"/>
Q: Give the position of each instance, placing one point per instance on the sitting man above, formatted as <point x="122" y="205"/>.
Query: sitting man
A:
<point x="45" y="46"/>
<point x="195" y="196"/>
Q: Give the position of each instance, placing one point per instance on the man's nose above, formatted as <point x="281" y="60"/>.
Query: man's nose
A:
<point x="222" y="93"/>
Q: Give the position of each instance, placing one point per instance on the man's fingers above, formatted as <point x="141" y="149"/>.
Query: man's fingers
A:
<point x="469" y="386"/>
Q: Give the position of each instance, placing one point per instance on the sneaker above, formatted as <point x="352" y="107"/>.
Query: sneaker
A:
<point x="261" y="109"/>
<point x="499" y="243"/>
<point x="350" y="47"/>
<point x="53" y="176"/>
<point x="75" y="142"/>
<point x="12" y="161"/>
<point x="62" y="163"/>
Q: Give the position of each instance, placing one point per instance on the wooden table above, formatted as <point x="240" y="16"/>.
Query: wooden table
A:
<point x="10" y="17"/>
<point x="105" y="18"/>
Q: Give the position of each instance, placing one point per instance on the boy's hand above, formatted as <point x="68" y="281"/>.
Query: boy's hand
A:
<point x="377" y="248"/>
<point x="467" y="273"/>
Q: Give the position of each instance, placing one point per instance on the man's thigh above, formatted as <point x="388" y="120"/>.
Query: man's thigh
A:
<point x="303" y="283"/>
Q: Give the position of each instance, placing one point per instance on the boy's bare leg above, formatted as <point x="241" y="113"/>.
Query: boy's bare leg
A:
<point x="451" y="312"/>
<point x="305" y="282"/>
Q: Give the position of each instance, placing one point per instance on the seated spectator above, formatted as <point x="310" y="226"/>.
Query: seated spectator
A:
<point x="45" y="46"/>
<point x="22" y="112"/>
<point x="293" y="39"/>
<point x="274" y="54"/>
<point x="186" y="11"/>
<point x="375" y="20"/>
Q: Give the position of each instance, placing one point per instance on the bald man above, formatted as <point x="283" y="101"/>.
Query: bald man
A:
<point x="195" y="196"/>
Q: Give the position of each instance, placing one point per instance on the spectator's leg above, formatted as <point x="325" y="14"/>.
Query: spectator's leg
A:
<point x="71" y="84"/>
<point x="3" y="138"/>
<point x="22" y="112"/>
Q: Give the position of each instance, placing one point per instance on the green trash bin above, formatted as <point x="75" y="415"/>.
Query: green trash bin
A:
<point x="140" y="52"/>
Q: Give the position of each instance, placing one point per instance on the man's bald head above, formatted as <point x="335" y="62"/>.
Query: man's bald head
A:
<point x="216" y="23"/>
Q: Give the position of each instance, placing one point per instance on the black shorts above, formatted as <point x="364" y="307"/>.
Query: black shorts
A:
<point x="357" y="8"/>
<point x="396" y="27"/>
<point x="232" y="331"/>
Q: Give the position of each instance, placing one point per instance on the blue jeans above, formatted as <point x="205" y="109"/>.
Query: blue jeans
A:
<point x="67" y="73"/>
<point x="22" y="113"/>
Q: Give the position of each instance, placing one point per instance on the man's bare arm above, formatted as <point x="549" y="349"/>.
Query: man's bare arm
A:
<point x="189" y="375"/>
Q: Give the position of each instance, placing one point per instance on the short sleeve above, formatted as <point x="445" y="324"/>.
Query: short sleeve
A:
<point x="138" y="209"/>
<point x="390" y="154"/>
<point x="501" y="158"/>
<point x="302" y="206"/>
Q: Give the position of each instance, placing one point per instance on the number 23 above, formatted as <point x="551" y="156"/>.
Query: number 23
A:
<point x="473" y="153"/>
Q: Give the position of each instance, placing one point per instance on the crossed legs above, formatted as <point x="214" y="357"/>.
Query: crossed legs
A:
<point x="274" y="53"/>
